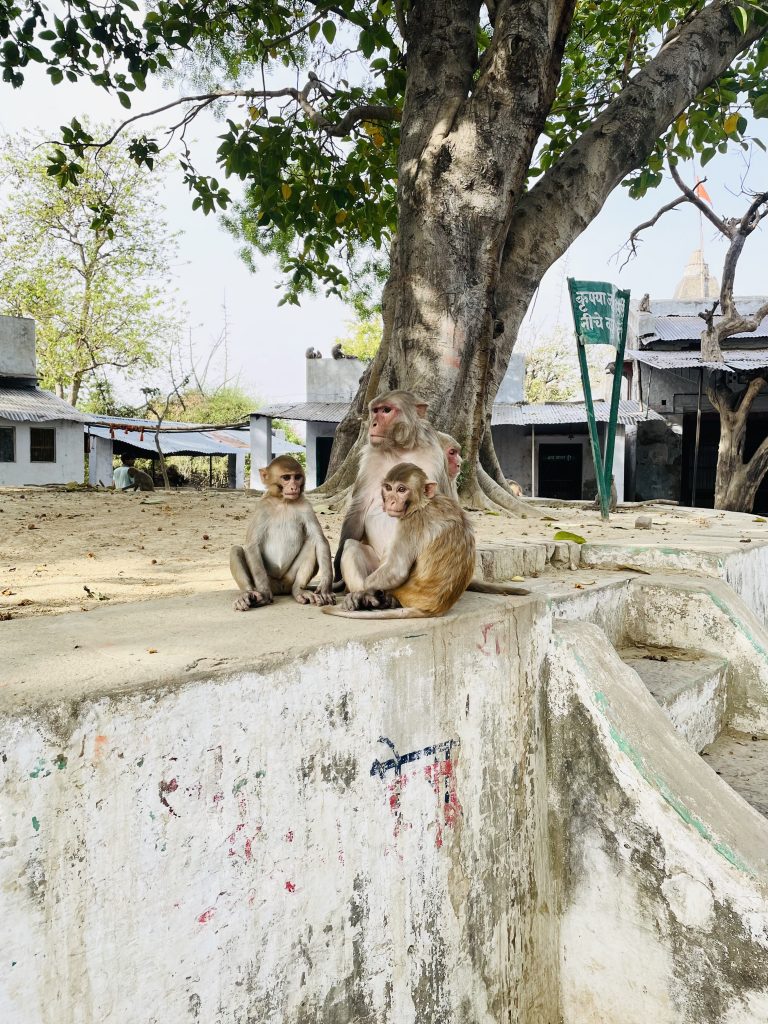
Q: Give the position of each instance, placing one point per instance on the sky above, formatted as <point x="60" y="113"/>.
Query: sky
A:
<point x="267" y="342"/>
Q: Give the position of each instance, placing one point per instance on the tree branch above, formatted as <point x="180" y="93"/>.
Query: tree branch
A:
<point x="722" y="226"/>
<point x="630" y="243"/>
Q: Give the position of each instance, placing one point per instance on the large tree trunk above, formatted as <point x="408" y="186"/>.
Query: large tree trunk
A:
<point x="736" y="482"/>
<point x="472" y="245"/>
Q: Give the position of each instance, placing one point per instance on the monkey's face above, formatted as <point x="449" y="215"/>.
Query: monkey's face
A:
<point x="382" y="422"/>
<point x="453" y="456"/>
<point x="291" y="485"/>
<point x="396" y="498"/>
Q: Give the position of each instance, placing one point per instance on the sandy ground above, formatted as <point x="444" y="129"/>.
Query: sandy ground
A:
<point x="66" y="550"/>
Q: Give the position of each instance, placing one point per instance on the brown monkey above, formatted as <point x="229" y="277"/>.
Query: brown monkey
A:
<point x="140" y="480"/>
<point x="284" y="543"/>
<point x="431" y="560"/>
<point x="397" y="432"/>
<point x="515" y="487"/>
<point x="452" y="450"/>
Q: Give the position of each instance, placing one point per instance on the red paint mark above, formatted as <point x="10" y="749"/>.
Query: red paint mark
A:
<point x="99" y="748"/>
<point x="206" y="915"/>
<point x="248" y="849"/>
<point x="290" y="887"/>
<point x="252" y="897"/>
<point x="217" y="798"/>
<point x="442" y="778"/>
<point x="168" y="787"/>
<point x="231" y="839"/>
<point x="242" y="806"/>
<point x="288" y="837"/>
<point x="394" y="791"/>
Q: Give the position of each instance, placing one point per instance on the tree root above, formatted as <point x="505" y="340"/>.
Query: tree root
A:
<point x="504" y="498"/>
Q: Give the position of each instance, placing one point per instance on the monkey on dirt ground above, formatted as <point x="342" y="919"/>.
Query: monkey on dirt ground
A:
<point x="140" y="480"/>
<point x="431" y="560"/>
<point x="397" y="432"/>
<point x="284" y="544"/>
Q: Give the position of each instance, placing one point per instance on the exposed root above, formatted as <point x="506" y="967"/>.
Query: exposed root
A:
<point x="505" y="498"/>
<point x="334" y="502"/>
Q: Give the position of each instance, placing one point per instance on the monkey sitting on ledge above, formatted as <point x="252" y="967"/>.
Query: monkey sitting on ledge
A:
<point x="284" y="544"/>
<point x="431" y="560"/>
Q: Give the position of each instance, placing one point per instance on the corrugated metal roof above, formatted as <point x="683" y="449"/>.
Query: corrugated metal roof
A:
<point x="190" y="442"/>
<point x="313" y="412"/>
<point x="551" y="413"/>
<point x="519" y="414"/>
<point x="734" y="359"/>
<point x="33" y="405"/>
<point x="688" y="328"/>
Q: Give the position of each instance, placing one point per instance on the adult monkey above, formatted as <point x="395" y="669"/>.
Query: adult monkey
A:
<point x="397" y="432"/>
<point x="140" y="481"/>
<point x="284" y="543"/>
<point x="431" y="559"/>
<point x="452" y="450"/>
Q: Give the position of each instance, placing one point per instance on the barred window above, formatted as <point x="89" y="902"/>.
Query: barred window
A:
<point x="42" y="444"/>
<point x="7" y="444"/>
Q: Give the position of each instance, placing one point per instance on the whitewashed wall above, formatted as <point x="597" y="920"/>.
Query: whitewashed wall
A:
<point x="69" y="465"/>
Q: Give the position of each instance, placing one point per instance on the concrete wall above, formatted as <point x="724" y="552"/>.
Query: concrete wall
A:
<point x="333" y="380"/>
<point x="69" y="465"/>
<point x="17" y="347"/>
<point x="251" y="848"/>
<point x="315" y="430"/>
<point x="100" y="471"/>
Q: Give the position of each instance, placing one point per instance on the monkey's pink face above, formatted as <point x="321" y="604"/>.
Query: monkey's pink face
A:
<point x="383" y="418"/>
<point x="453" y="455"/>
<point x="395" y="497"/>
<point x="291" y="484"/>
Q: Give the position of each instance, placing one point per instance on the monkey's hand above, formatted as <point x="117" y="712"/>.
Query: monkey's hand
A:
<point x="318" y="597"/>
<point x="252" y="599"/>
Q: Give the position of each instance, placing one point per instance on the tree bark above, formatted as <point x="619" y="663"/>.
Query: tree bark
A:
<point x="736" y="481"/>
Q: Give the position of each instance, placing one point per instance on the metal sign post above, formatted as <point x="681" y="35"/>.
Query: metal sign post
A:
<point x="601" y="315"/>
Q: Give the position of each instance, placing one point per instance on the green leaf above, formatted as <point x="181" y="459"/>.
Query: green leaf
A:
<point x="740" y="18"/>
<point x="329" y="31"/>
<point x="565" y="535"/>
<point x="124" y="99"/>
<point x="314" y="28"/>
<point x="760" y="106"/>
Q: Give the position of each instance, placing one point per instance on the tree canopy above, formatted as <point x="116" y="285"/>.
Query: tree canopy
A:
<point x="89" y="262"/>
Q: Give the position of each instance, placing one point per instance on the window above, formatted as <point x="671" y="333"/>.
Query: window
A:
<point x="7" y="444"/>
<point x="42" y="444"/>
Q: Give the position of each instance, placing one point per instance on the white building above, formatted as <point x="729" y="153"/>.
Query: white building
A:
<point x="41" y="436"/>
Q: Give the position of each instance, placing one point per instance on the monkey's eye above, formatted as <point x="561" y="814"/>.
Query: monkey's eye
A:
<point x="387" y="487"/>
<point x="401" y="490"/>
<point x="386" y="410"/>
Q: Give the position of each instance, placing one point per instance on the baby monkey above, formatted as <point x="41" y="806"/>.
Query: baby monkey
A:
<point x="431" y="559"/>
<point x="284" y="544"/>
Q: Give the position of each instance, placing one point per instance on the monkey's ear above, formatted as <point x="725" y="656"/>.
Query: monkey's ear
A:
<point x="263" y="475"/>
<point x="430" y="489"/>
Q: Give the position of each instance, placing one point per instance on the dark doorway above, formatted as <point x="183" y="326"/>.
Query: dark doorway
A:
<point x="323" y="447"/>
<point x="559" y="471"/>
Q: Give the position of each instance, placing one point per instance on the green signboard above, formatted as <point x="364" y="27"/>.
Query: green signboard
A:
<point x="601" y="314"/>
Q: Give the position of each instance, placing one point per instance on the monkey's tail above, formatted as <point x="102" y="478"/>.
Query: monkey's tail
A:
<point x="497" y="588"/>
<point x="387" y="613"/>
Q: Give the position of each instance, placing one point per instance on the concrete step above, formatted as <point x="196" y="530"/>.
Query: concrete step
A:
<point x="742" y="762"/>
<point x="690" y="687"/>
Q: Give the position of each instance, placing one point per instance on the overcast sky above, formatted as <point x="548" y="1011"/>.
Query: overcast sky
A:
<point x="267" y="341"/>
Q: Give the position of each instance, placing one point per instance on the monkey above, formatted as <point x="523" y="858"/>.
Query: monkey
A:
<point x="284" y="544"/>
<point x="140" y="480"/>
<point x="515" y="487"/>
<point x="338" y="352"/>
<point x="431" y="560"/>
<point x="313" y="353"/>
<point x="453" y="458"/>
<point x="397" y="432"/>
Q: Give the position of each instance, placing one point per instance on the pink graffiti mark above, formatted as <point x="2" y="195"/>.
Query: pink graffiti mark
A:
<point x="238" y="835"/>
<point x="483" y="646"/>
<point x="442" y="778"/>
<point x="217" y="798"/>
<point x="288" y="837"/>
<point x="168" y="787"/>
<point x="394" y="792"/>
<point x="206" y="915"/>
<point x="290" y="887"/>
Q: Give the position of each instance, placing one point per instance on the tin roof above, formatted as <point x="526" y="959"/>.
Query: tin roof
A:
<point x="688" y="328"/>
<point x="518" y="414"/>
<point x="30" y="404"/>
<point x="190" y="441"/>
<point x="733" y="359"/>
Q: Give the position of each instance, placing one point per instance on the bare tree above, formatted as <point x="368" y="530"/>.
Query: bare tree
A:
<point x="731" y="393"/>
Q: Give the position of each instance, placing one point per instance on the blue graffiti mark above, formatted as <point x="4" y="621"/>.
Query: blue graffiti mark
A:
<point x="396" y="763"/>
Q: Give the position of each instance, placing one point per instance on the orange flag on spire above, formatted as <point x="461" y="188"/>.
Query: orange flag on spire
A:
<point x="701" y="192"/>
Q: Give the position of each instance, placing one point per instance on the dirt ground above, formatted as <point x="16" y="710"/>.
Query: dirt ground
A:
<point x="65" y="550"/>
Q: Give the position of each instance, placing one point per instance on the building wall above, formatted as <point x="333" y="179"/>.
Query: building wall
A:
<point x="513" y="447"/>
<point x="333" y="380"/>
<point x="314" y="431"/>
<point x="69" y="465"/>
<point x="17" y="347"/>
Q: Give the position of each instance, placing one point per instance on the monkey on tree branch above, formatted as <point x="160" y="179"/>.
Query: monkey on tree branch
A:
<point x="731" y="394"/>
<point x="465" y="145"/>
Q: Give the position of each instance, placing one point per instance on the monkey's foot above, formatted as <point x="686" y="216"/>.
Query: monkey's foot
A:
<point x="369" y="600"/>
<point x="318" y="597"/>
<point x="252" y="599"/>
